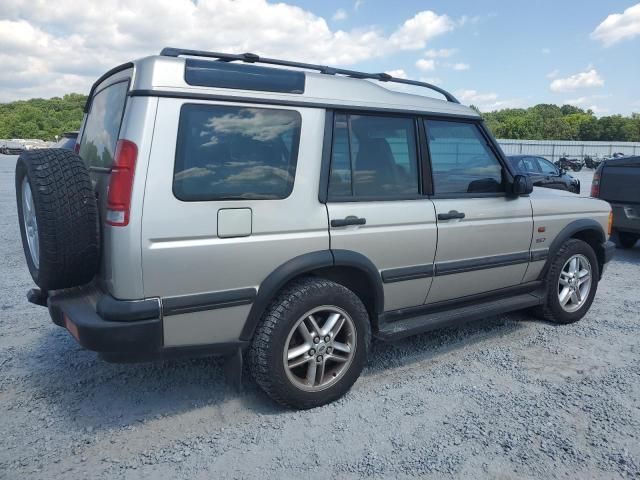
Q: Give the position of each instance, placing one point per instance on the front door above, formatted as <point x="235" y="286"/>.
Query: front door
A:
<point x="484" y="235"/>
<point x="375" y="203"/>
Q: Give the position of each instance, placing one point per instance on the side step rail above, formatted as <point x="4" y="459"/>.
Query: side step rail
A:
<point x="432" y="321"/>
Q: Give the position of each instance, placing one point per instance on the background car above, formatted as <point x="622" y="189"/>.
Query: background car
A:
<point x="67" y="141"/>
<point x="543" y="173"/>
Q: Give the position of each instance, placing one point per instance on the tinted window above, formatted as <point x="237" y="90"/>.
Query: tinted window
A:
<point x="373" y="157"/>
<point x="547" y="167"/>
<point x="461" y="160"/>
<point x="525" y="164"/>
<point x="103" y="125"/>
<point x="235" y="153"/>
<point x="243" y="76"/>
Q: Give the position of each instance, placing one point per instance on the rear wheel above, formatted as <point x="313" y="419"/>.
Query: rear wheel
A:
<point x="626" y="239"/>
<point x="311" y="344"/>
<point x="571" y="281"/>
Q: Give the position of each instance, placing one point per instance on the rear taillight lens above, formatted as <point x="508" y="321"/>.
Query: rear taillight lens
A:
<point x="595" y="185"/>
<point x="121" y="184"/>
<point x="610" y="224"/>
<point x="76" y="149"/>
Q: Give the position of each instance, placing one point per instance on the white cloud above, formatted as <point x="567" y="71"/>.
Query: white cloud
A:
<point x="472" y="96"/>
<point x="619" y="26"/>
<point x="399" y="73"/>
<point x="486" y="102"/>
<point x="546" y="51"/>
<point x="461" y="66"/>
<point x="441" y="53"/>
<point x="51" y="48"/>
<point x="587" y="79"/>
<point x="341" y="14"/>
<point x="426" y="64"/>
<point x="358" y="4"/>
<point x="415" y="32"/>
<point x="584" y="100"/>
<point x="553" y="74"/>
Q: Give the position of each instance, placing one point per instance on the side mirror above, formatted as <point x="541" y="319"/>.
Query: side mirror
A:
<point x="522" y="185"/>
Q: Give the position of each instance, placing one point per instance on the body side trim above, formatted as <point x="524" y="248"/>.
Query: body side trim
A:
<point x="460" y="266"/>
<point x="207" y="301"/>
<point x="407" y="273"/>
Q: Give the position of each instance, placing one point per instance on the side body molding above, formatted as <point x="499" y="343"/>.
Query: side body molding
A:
<point x="305" y="264"/>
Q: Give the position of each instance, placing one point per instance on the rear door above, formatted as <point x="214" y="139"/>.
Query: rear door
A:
<point x="484" y="236"/>
<point x="229" y="198"/>
<point x="375" y="202"/>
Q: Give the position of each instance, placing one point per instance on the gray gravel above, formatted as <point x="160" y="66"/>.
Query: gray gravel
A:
<point x="507" y="397"/>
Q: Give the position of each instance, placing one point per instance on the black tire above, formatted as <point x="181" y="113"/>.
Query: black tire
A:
<point x="266" y="353"/>
<point x="66" y="214"/>
<point x="551" y="310"/>
<point x="626" y="239"/>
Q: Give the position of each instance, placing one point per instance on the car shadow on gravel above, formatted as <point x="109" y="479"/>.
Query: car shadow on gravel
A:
<point x="86" y="393"/>
<point x="631" y="255"/>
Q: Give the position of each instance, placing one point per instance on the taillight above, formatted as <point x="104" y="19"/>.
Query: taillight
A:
<point x="76" y="149"/>
<point x="121" y="183"/>
<point x="610" y="225"/>
<point x="595" y="185"/>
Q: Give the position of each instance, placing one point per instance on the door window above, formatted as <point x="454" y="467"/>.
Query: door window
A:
<point x="529" y="165"/>
<point x="547" y="167"/>
<point x="461" y="160"/>
<point x="373" y="157"/>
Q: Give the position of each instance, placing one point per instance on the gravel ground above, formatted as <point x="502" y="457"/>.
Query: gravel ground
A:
<point x="506" y="397"/>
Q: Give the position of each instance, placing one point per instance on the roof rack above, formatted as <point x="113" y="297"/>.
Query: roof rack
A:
<point x="253" y="58"/>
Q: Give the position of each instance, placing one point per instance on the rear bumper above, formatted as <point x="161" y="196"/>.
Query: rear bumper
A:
<point x="626" y="218"/>
<point x="119" y="330"/>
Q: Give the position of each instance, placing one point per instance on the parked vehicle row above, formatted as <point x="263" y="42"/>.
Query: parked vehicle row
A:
<point x="286" y="216"/>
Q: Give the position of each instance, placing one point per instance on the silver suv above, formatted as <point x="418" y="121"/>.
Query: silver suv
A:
<point x="215" y="205"/>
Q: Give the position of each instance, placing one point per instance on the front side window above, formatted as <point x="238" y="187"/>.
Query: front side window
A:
<point x="547" y="167"/>
<point x="373" y="156"/>
<point x="528" y="165"/>
<point x="226" y="153"/>
<point x="461" y="160"/>
<point x="100" y="136"/>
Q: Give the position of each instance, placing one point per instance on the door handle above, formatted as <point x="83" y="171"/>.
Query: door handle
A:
<point x="350" y="220"/>
<point x="451" y="215"/>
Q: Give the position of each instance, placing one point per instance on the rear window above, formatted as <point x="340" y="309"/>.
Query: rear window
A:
<point x="226" y="153"/>
<point x="102" y="127"/>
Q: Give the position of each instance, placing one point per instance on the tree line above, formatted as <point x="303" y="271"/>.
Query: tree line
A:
<point x="41" y="118"/>
<point x="551" y="122"/>
<point x="46" y="118"/>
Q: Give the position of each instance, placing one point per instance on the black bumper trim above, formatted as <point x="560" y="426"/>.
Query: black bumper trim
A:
<point x="76" y="312"/>
<point x="115" y="310"/>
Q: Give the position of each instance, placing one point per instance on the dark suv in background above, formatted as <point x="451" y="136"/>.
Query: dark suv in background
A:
<point x="543" y="173"/>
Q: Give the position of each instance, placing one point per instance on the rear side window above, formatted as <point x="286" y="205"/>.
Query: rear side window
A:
<point x="373" y="156"/>
<point x="226" y="153"/>
<point x="461" y="160"/>
<point x="102" y="127"/>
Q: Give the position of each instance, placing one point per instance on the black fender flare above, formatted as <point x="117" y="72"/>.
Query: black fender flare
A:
<point x="577" y="226"/>
<point x="306" y="263"/>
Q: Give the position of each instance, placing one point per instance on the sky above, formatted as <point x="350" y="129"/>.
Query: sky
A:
<point x="493" y="54"/>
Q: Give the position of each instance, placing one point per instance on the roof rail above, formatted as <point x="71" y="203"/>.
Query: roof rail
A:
<point x="253" y="58"/>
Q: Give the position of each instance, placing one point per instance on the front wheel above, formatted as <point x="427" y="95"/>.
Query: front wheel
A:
<point x="572" y="280"/>
<point x="311" y="344"/>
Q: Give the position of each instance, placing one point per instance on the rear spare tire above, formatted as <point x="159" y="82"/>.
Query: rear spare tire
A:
<point x="58" y="216"/>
